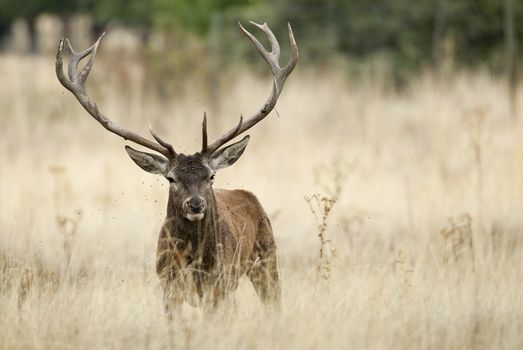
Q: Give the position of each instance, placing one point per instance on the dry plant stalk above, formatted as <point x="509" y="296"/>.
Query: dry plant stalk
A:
<point x="460" y="238"/>
<point x="321" y="207"/>
<point x="37" y="279"/>
<point x="331" y="177"/>
<point x="402" y="266"/>
<point x="68" y="226"/>
<point x="475" y="122"/>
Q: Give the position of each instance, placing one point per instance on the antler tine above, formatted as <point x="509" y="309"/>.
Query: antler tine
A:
<point x="204" y="133"/>
<point x="162" y="142"/>
<point x="76" y="57"/>
<point x="279" y="76"/>
<point x="272" y="57"/>
<point x="205" y="147"/>
<point x="294" y="52"/>
<point x="75" y="82"/>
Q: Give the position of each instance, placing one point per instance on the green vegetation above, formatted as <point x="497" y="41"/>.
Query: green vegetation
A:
<point x="406" y="35"/>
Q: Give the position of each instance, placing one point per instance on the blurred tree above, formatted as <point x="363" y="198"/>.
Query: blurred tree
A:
<point x="406" y="34"/>
<point x="511" y="55"/>
<point x="438" y="32"/>
<point x="30" y="9"/>
<point x="402" y="34"/>
<point x="196" y="15"/>
<point x="136" y="13"/>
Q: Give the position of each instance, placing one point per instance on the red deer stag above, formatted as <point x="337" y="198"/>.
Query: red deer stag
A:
<point x="210" y="237"/>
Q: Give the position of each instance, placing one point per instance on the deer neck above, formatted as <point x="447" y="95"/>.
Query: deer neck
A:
<point x="199" y="238"/>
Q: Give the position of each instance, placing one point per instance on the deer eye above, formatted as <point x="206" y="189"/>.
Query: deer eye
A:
<point x="170" y="179"/>
<point x="211" y="178"/>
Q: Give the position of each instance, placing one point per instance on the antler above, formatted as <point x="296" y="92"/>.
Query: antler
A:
<point x="76" y="84"/>
<point x="279" y="76"/>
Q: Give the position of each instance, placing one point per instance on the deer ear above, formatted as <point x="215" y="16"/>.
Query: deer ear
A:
<point x="152" y="163"/>
<point x="227" y="156"/>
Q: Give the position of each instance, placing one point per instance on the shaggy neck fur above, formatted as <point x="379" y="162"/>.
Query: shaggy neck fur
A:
<point x="198" y="238"/>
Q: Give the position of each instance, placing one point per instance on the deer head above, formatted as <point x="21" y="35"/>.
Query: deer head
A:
<point x="190" y="176"/>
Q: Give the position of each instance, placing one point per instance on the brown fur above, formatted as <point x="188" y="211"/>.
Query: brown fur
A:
<point x="207" y="258"/>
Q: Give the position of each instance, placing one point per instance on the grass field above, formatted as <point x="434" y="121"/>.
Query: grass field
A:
<point x="422" y="247"/>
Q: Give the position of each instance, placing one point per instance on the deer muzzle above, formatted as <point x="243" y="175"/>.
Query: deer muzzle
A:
<point x="194" y="208"/>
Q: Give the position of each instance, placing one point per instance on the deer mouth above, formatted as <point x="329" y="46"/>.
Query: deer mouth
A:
<point x="194" y="217"/>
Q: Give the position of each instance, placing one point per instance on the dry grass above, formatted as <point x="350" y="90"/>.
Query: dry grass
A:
<point x="426" y="229"/>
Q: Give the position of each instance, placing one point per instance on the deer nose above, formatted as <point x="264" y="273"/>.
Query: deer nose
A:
<point x="194" y="205"/>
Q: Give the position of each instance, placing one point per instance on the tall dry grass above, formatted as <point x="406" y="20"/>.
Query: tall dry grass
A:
<point x="423" y="241"/>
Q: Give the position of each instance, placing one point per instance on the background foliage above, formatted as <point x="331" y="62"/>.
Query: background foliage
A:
<point x="405" y="34"/>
